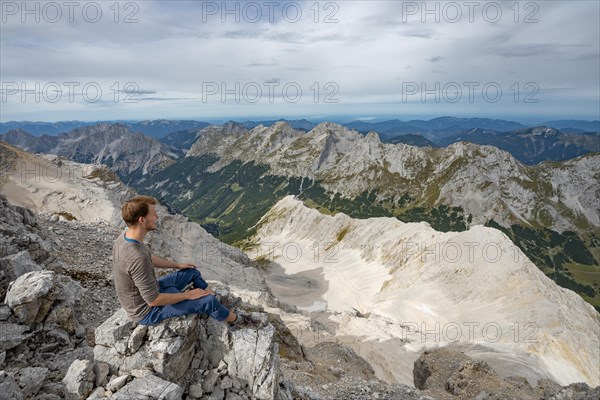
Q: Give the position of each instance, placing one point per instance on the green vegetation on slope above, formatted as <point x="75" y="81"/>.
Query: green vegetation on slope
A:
<point x="566" y="258"/>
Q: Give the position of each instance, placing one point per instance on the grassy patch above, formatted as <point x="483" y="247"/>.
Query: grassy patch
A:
<point x="342" y="233"/>
<point x="262" y="262"/>
<point x="66" y="215"/>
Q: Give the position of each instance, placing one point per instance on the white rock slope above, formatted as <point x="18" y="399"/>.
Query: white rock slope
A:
<point x="468" y="288"/>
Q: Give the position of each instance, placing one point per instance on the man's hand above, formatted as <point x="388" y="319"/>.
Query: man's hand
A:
<point x="210" y="291"/>
<point x="185" y="265"/>
<point x="197" y="293"/>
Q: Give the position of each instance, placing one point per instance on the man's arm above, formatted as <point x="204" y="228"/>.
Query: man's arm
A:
<point x="164" y="299"/>
<point x="162" y="263"/>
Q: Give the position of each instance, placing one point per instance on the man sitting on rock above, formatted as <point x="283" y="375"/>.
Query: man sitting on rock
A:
<point x="146" y="300"/>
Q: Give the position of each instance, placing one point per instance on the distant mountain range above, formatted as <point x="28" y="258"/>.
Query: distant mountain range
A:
<point x="161" y="128"/>
<point x="300" y="124"/>
<point x="573" y="125"/>
<point x="156" y="129"/>
<point x="438" y="129"/>
<point x="432" y="130"/>
<point x="532" y="145"/>
<point x="43" y="128"/>
<point x="115" y="145"/>
<point x="412" y="140"/>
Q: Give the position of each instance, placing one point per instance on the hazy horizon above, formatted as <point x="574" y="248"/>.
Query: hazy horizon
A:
<point x="337" y="119"/>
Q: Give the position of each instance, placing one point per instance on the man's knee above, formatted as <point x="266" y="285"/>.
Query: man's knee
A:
<point x="212" y="301"/>
<point x="192" y="272"/>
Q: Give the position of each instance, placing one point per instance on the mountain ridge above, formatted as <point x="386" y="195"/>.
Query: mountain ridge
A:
<point x="127" y="153"/>
<point x="398" y="273"/>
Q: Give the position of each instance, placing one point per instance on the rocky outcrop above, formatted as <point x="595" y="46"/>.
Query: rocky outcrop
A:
<point x="47" y="300"/>
<point x="41" y="323"/>
<point x="194" y="355"/>
<point x="447" y="374"/>
<point x="22" y="250"/>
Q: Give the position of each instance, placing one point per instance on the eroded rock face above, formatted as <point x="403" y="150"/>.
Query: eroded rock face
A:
<point x="194" y="355"/>
<point x="448" y="374"/>
<point x="21" y="248"/>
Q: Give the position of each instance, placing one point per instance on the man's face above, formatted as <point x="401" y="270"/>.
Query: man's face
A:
<point x="149" y="221"/>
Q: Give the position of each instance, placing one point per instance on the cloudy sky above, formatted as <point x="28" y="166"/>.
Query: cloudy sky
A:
<point x="106" y="60"/>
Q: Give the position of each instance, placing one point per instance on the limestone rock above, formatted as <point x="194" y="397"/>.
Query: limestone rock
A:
<point x="9" y="389"/>
<point x="43" y="296"/>
<point x="27" y="296"/>
<point x="79" y="380"/>
<point x="101" y="370"/>
<point x="32" y="379"/>
<point x="167" y="349"/>
<point x="97" y="394"/>
<point x="117" y="383"/>
<point x="114" y="330"/>
<point x="18" y="264"/>
<point x="149" y="387"/>
<point x="253" y="356"/>
<point x="12" y="335"/>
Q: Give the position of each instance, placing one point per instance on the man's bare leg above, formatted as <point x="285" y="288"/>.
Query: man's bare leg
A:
<point x="231" y="317"/>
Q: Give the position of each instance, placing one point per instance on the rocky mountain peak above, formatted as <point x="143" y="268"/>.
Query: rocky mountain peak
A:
<point x="373" y="137"/>
<point x="101" y="128"/>
<point x="17" y="133"/>
<point x="234" y="127"/>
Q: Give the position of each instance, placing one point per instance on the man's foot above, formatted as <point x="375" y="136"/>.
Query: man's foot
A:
<point x="230" y="301"/>
<point x="245" y="321"/>
<point x="240" y="322"/>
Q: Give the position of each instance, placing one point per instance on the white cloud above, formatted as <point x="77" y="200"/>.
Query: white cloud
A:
<point x="176" y="48"/>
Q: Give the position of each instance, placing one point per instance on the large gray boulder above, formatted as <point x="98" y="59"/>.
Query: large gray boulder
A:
<point x="30" y="298"/>
<point x="43" y="297"/>
<point x="167" y="348"/>
<point x="32" y="379"/>
<point x="198" y="354"/>
<point x="79" y="380"/>
<point x="251" y="356"/>
<point x="22" y="250"/>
